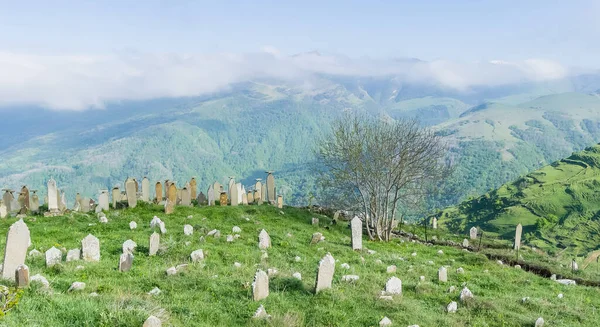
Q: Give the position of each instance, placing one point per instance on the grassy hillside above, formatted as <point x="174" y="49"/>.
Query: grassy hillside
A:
<point x="216" y="293"/>
<point x="558" y="206"/>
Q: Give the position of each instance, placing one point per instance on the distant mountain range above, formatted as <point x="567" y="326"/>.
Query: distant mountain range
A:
<point x="496" y="133"/>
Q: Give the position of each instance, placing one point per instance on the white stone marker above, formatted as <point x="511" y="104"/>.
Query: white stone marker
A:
<point x="325" y="273"/>
<point x="17" y="242"/>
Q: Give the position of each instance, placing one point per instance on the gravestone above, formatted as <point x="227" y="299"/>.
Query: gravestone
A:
<point x="77" y="198"/>
<point x="14" y="203"/>
<point x="260" y="286"/>
<point x="73" y="255"/>
<point x="217" y="189"/>
<point x="179" y="191"/>
<point x="3" y="210"/>
<point x="84" y="205"/>
<point x="125" y="262"/>
<point x="35" y="202"/>
<point x="223" y="199"/>
<point x="442" y="275"/>
<point x="244" y="198"/>
<point x="129" y="246"/>
<point x="264" y="240"/>
<point x="518" y="232"/>
<point x="250" y="197"/>
<point x="90" y="248"/>
<point x="171" y="199"/>
<point x="393" y="286"/>
<point x="257" y="198"/>
<point x="103" y="200"/>
<point x="325" y="273"/>
<point x="25" y="206"/>
<point x="62" y="204"/>
<point x="234" y="196"/>
<point x="22" y="209"/>
<point x="17" y="242"/>
<point x="473" y="233"/>
<point x="263" y="196"/>
<point x="53" y="257"/>
<point x="130" y="191"/>
<point x="193" y="188"/>
<point x="7" y="199"/>
<point x="240" y="191"/>
<point x="258" y="189"/>
<point x="202" y="199"/>
<point x="188" y="230"/>
<point x="230" y="187"/>
<point x="465" y="243"/>
<point x="154" y="243"/>
<point x="280" y="202"/>
<point x="22" y="276"/>
<point x="145" y="189"/>
<point x="166" y="187"/>
<point x="356" y="226"/>
<point x="434" y="223"/>
<point x="211" y="195"/>
<point x="186" y="200"/>
<point x="270" y="187"/>
<point x="116" y="196"/>
<point x="158" y="191"/>
<point x="52" y="196"/>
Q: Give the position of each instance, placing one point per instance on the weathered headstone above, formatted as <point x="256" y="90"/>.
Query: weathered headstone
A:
<point x="280" y="201"/>
<point x="325" y="273"/>
<point x="17" y="242"/>
<point x="186" y="200"/>
<point x="152" y="321"/>
<point x="201" y="199"/>
<point x="22" y="276"/>
<point x="230" y="187"/>
<point x="244" y="198"/>
<point x="239" y="193"/>
<point x="188" y="230"/>
<point x="130" y="191"/>
<point x="193" y="188"/>
<point x="3" y="210"/>
<point x="116" y="196"/>
<point x="465" y="243"/>
<point x="84" y="205"/>
<point x="145" y="189"/>
<point x="223" y="199"/>
<point x="25" y="200"/>
<point x="316" y="238"/>
<point x="90" y="248"/>
<point x="7" y="199"/>
<point x="158" y="191"/>
<point x="356" y="226"/>
<point x="171" y="199"/>
<point x="270" y="187"/>
<point x="34" y="203"/>
<point x="125" y="262"/>
<point x="250" y="197"/>
<point x="217" y="189"/>
<point x="73" y="255"/>
<point x="154" y="243"/>
<point x="129" y="246"/>
<point x="393" y="286"/>
<point x="260" y="286"/>
<point x="264" y="240"/>
<point x="52" y="196"/>
<point x="442" y="275"/>
<point x="62" y="203"/>
<point x="473" y="233"/>
<point x="53" y="257"/>
<point x="258" y="190"/>
<point x="518" y="232"/>
<point x="103" y="200"/>
<point x="263" y="196"/>
<point x="434" y="223"/>
<point x="234" y="196"/>
<point x="211" y="195"/>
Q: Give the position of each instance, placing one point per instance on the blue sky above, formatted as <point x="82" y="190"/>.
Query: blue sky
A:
<point x="76" y="55"/>
<point x="566" y="31"/>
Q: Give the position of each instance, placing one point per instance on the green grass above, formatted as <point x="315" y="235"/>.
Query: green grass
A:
<point x="215" y="293"/>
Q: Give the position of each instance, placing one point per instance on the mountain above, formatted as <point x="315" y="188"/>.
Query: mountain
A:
<point x="273" y="125"/>
<point x="558" y="206"/>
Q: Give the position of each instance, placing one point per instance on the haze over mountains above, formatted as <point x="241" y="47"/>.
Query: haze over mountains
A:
<point x="498" y="130"/>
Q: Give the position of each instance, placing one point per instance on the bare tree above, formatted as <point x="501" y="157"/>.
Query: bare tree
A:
<point x="381" y="165"/>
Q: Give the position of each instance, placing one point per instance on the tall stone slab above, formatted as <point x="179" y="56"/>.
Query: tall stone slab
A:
<point x="130" y="191"/>
<point x="280" y="202"/>
<point x="264" y="240"/>
<point x="260" y="286"/>
<point x="234" y="196"/>
<point x="34" y="203"/>
<point x="3" y="210"/>
<point x="245" y="199"/>
<point x="442" y="275"/>
<point x="264" y="193"/>
<point x="223" y="199"/>
<point x="145" y="189"/>
<point x="473" y="233"/>
<point x="325" y="273"/>
<point x="171" y="199"/>
<point x="17" y="242"/>
<point x="158" y="191"/>
<point x="434" y="223"/>
<point x="116" y="196"/>
<point x="193" y="188"/>
<point x="518" y="233"/>
<point x="62" y="203"/>
<point x="25" y="206"/>
<point x="52" y="196"/>
<point x="7" y="199"/>
<point x="217" y="189"/>
<point x="270" y="187"/>
<point x="250" y="197"/>
<point x="15" y="206"/>
<point x="356" y="227"/>
<point x="239" y="192"/>
<point x="201" y="199"/>
<point x="258" y="190"/>
<point x="103" y="200"/>
<point x="186" y="200"/>
<point x="211" y="195"/>
<point x="154" y="244"/>
<point x="230" y="186"/>
<point x="90" y="248"/>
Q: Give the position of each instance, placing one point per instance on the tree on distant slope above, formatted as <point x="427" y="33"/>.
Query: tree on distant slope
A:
<point x="381" y="166"/>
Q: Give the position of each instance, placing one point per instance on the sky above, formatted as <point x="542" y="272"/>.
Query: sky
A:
<point x="47" y="48"/>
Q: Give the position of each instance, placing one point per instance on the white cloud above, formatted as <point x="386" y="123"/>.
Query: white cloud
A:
<point x="84" y="81"/>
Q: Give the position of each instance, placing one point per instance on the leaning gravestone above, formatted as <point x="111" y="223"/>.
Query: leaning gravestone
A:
<point x="443" y="275"/>
<point x="223" y="199"/>
<point x="473" y="233"/>
<point x="22" y="276"/>
<point x="125" y="262"/>
<point x="90" y="248"/>
<point x="17" y="242"/>
<point x="234" y="195"/>
<point x="325" y="273"/>
<point x="53" y="257"/>
<point x="270" y="187"/>
<point x="158" y="190"/>
<point x="260" y="286"/>
<point x="103" y="200"/>
<point x="145" y="189"/>
<point x="52" y="196"/>
<point x="154" y="243"/>
<point x="356" y="226"/>
<point x="264" y="240"/>
<point x="130" y="191"/>
<point x="518" y="232"/>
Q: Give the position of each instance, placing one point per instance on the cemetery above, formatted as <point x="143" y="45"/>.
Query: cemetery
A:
<point x="236" y="255"/>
